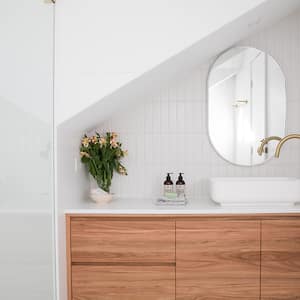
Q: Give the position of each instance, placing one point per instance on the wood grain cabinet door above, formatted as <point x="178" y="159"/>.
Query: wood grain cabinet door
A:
<point x="123" y="282"/>
<point x="280" y="278"/>
<point x="217" y="260"/>
<point x="96" y="240"/>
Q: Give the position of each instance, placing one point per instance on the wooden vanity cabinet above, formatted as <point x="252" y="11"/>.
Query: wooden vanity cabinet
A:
<point x="98" y="240"/>
<point x="183" y="257"/>
<point x="280" y="259"/>
<point x="121" y="258"/>
<point x="217" y="260"/>
<point x="128" y="282"/>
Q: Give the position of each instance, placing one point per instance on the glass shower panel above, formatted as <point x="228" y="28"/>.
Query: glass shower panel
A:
<point x="26" y="156"/>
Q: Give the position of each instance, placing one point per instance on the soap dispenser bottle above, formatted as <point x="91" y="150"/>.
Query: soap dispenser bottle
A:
<point x="180" y="186"/>
<point x="168" y="184"/>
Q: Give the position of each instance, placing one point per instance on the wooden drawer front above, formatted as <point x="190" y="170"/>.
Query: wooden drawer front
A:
<point x="217" y="260"/>
<point x="96" y="240"/>
<point x="280" y="277"/>
<point x="123" y="282"/>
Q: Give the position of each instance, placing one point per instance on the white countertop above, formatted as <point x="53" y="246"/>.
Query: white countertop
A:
<point x="148" y="206"/>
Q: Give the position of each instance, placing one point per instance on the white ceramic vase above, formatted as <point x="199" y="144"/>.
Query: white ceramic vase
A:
<point x="97" y="194"/>
<point x="100" y="196"/>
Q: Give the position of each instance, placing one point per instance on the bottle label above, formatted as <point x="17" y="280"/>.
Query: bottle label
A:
<point x="180" y="189"/>
<point x="168" y="188"/>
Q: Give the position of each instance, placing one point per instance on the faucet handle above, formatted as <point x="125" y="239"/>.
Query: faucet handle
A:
<point x="262" y="149"/>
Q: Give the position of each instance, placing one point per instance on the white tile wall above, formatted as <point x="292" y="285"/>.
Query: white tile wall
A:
<point x="168" y="132"/>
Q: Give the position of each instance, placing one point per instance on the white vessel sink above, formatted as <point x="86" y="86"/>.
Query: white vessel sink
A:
<point x="255" y="191"/>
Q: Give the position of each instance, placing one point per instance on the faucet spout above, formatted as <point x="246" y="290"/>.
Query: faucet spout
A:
<point x="265" y="141"/>
<point x="285" y="139"/>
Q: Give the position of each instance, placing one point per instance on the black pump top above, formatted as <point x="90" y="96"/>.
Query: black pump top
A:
<point x="180" y="180"/>
<point x="168" y="180"/>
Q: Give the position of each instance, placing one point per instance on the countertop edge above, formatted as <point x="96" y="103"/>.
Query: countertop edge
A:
<point x="179" y="213"/>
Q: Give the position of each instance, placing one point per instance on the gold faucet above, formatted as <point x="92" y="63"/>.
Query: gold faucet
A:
<point x="282" y="141"/>
<point x="265" y="141"/>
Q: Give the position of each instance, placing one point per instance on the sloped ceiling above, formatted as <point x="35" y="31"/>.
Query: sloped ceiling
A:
<point x="255" y="19"/>
<point x="102" y="45"/>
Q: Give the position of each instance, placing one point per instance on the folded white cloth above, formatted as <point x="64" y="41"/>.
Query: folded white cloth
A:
<point x="167" y="201"/>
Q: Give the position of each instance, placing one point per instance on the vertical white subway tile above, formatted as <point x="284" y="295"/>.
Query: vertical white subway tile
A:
<point x="180" y="125"/>
<point x="188" y="111"/>
<point x="164" y="117"/>
<point x="156" y="117"/>
<point x="168" y="133"/>
<point x="172" y="117"/>
<point x="148" y="117"/>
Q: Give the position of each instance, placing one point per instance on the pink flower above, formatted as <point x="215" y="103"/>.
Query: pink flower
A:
<point x="102" y="141"/>
<point x="84" y="154"/>
<point x="114" y="135"/>
<point x="94" y="140"/>
<point x="114" y="143"/>
<point x="85" y="142"/>
<point x="122" y="170"/>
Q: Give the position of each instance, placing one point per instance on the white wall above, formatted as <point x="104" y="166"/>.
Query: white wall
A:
<point x="181" y="80"/>
<point x="26" y="167"/>
<point x="26" y="160"/>
<point x="26" y="270"/>
<point x="26" y="104"/>
<point x="26" y="48"/>
<point x="102" y="45"/>
<point x="168" y="132"/>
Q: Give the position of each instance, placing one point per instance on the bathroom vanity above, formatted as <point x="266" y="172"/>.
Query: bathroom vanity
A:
<point x="138" y="251"/>
<point x="183" y="254"/>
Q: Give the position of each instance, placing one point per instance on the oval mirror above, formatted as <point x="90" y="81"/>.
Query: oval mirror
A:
<point x="246" y="103"/>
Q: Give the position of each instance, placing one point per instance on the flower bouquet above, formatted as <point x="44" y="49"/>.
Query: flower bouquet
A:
<point x="102" y="155"/>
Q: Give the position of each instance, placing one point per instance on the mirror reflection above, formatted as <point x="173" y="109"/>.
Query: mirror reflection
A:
<point x="246" y="103"/>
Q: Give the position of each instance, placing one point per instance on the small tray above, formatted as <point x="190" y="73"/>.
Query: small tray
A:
<point x="163" y="201"/>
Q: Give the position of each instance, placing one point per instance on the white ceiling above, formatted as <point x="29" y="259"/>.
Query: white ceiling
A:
<point x="103" y="45"/>
<point x="255" y="19"/>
